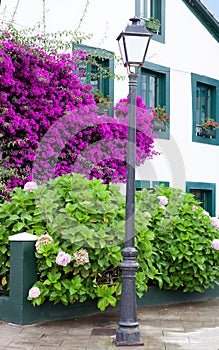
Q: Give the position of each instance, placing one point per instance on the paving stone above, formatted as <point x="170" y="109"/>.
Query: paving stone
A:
<point x="188" y="326"/>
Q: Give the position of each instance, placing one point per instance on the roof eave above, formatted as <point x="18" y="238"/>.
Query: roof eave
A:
<point x="204" y="16"/>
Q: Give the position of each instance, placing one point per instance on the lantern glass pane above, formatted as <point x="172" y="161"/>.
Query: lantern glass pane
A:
<point x="122" y="50"/>
<point x="136" y="47"/>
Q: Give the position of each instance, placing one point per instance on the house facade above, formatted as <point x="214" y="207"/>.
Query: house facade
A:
<point x="180" y="72"/>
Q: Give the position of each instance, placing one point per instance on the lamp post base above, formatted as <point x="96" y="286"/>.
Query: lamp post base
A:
<point x="128" y="337"/>
<point x="128" y="333"/>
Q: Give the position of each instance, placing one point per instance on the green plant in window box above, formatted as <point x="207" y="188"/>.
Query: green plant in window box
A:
<point x="102" y="102"/>
<point x="152" y="24"/>
<point x="208" y="128"/>
<point x="160" y="118"/>
<point x="210" y="124"/>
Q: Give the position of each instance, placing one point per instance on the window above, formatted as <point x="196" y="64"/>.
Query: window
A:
<point x="154" y="86"/>
<point x="158" y="183"/>
<point x="151" y="88"/>
<point x="204" y="193"/>
<point x="155" y="9"/>
<point x="97" y="79"/>
<point x="205" y="109"/>
<point x="99" y="71"/>
<point x="140" y="184"/>
<point x="205" y="102"/>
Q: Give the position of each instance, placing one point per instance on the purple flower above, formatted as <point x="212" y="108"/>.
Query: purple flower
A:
<point x="194" y="208"/>
<point x="34" y="292"/>
<point x="44" y="100"/>
<point x="215" y="244"/>
<point x="163" y="200"/>
<point x="63" y="259"/>
<point x="215" y="223"/>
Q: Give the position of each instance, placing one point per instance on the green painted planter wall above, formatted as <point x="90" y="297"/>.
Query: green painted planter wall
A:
<point x="23" y="272"/>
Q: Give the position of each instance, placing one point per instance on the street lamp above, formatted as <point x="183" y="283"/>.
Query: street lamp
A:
<point x="133" y="44"/>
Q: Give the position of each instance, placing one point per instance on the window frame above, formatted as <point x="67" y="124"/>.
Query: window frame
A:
<point x="214" y="84"/>
<point x="209" y="101"/>
<point x="204" y="186"/>
<point x="161" y="35"/>
<point x="158" y="183"/>
<point x="165" y="91"/>
<point x="107" y="84"/>
<point x="141" y="184"/>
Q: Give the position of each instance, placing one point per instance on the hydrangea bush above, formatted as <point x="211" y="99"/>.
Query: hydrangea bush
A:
<point x="183" y="233"/>
<point x="80" y="227"/>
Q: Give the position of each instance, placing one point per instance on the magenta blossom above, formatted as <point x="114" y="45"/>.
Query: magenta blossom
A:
<point x="50" y="124"/>
<point x="34" y="292"/>
<point x="63" y="259"/>
<point x="215" y="244"/>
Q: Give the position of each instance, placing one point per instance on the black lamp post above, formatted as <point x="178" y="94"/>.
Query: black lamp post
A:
<point x="133" y="44"/>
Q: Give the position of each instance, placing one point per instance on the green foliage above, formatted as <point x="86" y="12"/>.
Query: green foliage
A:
<point x="51" y="42"/>
<point x="78" y="214"/>
<point x="85" y="216"/>
<point x="182" y="254"/>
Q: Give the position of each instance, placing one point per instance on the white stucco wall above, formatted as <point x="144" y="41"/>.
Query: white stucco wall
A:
<point x="189" y="47"/>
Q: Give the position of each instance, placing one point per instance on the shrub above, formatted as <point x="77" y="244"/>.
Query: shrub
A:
<point x="48" y="119"/>
<point x="183" y="234"/>
<point x="36" y="89"/>
<point x="80" y="227"/>
<point x="80" y="224"/>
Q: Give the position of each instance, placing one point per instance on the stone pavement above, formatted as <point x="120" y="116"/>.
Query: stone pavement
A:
<point x="177" y="327"/>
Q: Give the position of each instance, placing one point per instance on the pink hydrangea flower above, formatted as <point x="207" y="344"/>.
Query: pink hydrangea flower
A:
<point x="163" y="200"/>
<point x="63" y="259"/>
<point x="45" y="239"/>
<point x="215" y="244"/>
<point x="215" y="223"/>
<point x="81" y="257"/>
<point x="29" y="186"/>
<point x="34" y="292"/>
<point x="194" y="208"/>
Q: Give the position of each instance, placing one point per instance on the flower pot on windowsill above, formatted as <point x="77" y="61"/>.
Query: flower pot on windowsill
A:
<point x="103" y="108"/>
<point x="152" y="25"/>
<point x="210" y="133"/>
<point x="159" y="125"/>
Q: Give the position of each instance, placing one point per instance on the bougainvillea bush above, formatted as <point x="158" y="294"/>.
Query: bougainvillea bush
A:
<point x="36" y="89"/>
<point x="94" y="145"/>
<point x="40" y="91"/>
